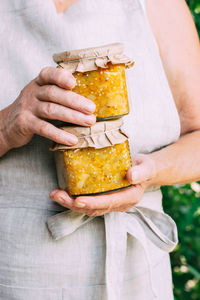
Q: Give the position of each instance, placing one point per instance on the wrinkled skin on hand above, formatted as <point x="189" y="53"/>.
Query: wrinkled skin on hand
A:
<point x="49" y="96"/>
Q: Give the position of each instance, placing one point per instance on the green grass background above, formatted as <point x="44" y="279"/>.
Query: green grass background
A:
<point x="182" y="203"/>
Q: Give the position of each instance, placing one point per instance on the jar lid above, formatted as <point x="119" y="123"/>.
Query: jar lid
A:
<point x="90" y="59"/>
<point x="100" y="135"/>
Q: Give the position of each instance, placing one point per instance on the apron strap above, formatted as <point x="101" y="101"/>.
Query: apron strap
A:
<point x="140" y="222"/>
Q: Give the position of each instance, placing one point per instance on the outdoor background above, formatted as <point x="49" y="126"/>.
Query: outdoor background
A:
<point x="182" y="203"/>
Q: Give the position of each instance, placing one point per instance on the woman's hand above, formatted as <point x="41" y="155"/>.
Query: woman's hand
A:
<point x="49" y="96"/>
<point x="140" y="174"/>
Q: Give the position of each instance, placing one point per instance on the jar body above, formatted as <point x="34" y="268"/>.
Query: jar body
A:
<point x="91" y="171"/>
<point x="107" y="89"/>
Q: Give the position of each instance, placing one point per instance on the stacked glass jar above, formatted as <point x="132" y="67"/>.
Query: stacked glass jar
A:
<point x="99" y="161"/>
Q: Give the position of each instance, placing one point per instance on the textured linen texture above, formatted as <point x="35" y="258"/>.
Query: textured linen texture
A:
<point x="33" y="264"/>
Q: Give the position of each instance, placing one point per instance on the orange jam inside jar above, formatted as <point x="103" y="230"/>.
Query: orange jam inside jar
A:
<point x="96" y="165"/>
<point x="91" y="171"/>
<point x="107" y="89"/>
<point x="100" y="77"/>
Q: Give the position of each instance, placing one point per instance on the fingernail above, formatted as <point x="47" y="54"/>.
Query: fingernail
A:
<point x="72" y="82"/>
<point x="61" y="200"/>
<point x="90" y="107"/>
<point x="73" y="140"/>
<point x="79" y="204"/>
<point x="90" y="120"/>
<point x="52" y="194"/>
<point x="134" y="176"/>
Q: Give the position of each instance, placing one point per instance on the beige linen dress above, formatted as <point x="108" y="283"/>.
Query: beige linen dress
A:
<point x="47" y="252"/>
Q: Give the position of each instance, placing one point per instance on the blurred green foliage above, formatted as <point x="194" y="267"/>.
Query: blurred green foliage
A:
<point x="194" y="6"/>
<point x="182" y="203"/>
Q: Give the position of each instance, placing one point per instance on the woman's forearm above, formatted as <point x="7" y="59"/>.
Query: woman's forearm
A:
<point x="178" y="163"/>
<point x="179" y="48"/>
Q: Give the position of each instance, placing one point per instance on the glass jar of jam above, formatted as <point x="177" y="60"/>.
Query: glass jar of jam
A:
<point x="100" y="77"/>
<point x="99" y="161"/>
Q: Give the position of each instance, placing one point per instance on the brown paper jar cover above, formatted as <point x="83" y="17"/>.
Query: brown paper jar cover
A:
<point x="98" y="163"/>
<point x="100" y="77"/>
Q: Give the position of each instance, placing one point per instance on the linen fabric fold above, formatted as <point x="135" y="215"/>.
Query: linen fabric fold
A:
<point x="141" y="223"/>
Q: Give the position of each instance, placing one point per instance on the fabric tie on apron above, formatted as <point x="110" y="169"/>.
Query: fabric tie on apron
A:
<point x="140" y="222"/>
